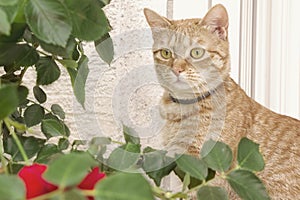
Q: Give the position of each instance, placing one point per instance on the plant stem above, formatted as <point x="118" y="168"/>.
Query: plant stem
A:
<point x="23" y="73"/>
<point x="17" y="125"/>
<point x="43" y="53"/>
<point x="3" y="163"/>
<point x="117" y="142"/>
<point x="40" y="105"/>
<point x="15" y="137"/>
<point x="158" y="192"/>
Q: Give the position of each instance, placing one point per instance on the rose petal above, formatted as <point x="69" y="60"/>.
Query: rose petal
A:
<point x="35" y="184"/>
<point x="89" y="182"/>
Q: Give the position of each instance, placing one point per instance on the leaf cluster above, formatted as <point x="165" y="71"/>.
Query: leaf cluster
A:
<point x="45" y="35"/>
<point x="128" y="164"/>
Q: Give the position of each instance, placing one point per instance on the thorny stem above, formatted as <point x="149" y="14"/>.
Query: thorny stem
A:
<point x="8" y="124"/>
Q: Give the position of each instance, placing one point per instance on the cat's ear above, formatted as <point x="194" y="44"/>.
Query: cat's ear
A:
<point x="155" y="20"/>
<point x="217" y="20"/>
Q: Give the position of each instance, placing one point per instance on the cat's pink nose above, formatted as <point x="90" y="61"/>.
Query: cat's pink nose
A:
<point x="177" y="70"/>
<point x="179" y="66"/>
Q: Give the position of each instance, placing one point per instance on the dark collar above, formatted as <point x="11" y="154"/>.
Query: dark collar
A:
<point x="192" y="101"/>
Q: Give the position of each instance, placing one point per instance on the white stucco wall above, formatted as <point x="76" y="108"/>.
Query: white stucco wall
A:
<point x="126" y="91"/>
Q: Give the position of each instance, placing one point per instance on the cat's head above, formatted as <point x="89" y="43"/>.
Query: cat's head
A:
<point x="191" y="56"/>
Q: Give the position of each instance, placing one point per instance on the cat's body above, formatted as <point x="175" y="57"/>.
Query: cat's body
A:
<point x="201" y="100"/>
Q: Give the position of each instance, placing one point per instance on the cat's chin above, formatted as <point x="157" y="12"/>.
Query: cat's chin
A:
<point x="180" y="83"/>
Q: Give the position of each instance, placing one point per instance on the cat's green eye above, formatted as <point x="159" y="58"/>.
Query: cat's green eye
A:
<point x="166" y="53"/>
<point x="197" y="53"/>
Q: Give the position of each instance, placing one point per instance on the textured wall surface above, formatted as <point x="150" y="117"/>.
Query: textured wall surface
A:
<point x="124" y="92"/>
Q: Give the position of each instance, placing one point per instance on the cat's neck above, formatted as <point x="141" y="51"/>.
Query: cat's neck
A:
<point x="215" y="101"/>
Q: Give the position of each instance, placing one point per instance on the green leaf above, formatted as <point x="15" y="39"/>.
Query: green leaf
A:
<point x="49" y="21"/>
<point x="103" y="3"/>
<point x="11" y="12"/>
<point x="72" y="73"/>
<point x="217" y="155"/>
<point x="70" y="194"/>
<point x="63" y="143"/>
<point x="87" y="15"/>
<point x="181" y="175"/>
<point x="17" y="55"/>
<point x="130" y="135"/>
<point x="193" y="166"/>
<point x="97" y="146"/>
<point x="100" y="141"/>
<point x="79" y="82"/>
<point x="69" y="169"/>
<point x="124" y="186"/>
<point x="12" y="188"/>
<point x="22" y="94"/>
<point x="69" y="63"/>
<point x="47" y="71"/>
<point x="249" y="156"/>
<point x="124" y="157"/>
<point x="8" y="100"/>
<point x="186" y="182"/>
<point x="8" y="2"/>
<point x="39" y="94"/>
<point x="58" y="110"/>
<point x="47" y="153"/>
<point x="17" y="31"/>
<point x="31" y="146"/>
<point x="20" y="15"/>
<point x="211" y="193"/>
<point x="106" y="2"/>
<point x="247" y="185"/>
<point x="105" y="48"/>
<point x="14" y="168"/>
<point x="4" y="23"/>
<point x="65" y="52"/>
<point x="53" y="128"/>
<point x="154" y="159"/>
<point x="77" y="143"/>
<point x="157" y="165"/>
<point x="33" y="115"/>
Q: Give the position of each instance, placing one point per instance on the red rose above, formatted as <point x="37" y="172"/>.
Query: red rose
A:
<point x="34" y="182"/>
<point x="89" y="182"/>
<point x="36" y="185"/>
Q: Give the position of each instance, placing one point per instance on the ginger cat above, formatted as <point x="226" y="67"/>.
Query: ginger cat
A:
<point x="201" y="101"/>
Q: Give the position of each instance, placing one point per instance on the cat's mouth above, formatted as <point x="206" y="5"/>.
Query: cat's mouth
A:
<point x="180" y="81"/>
<point x="182" y="84"/>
